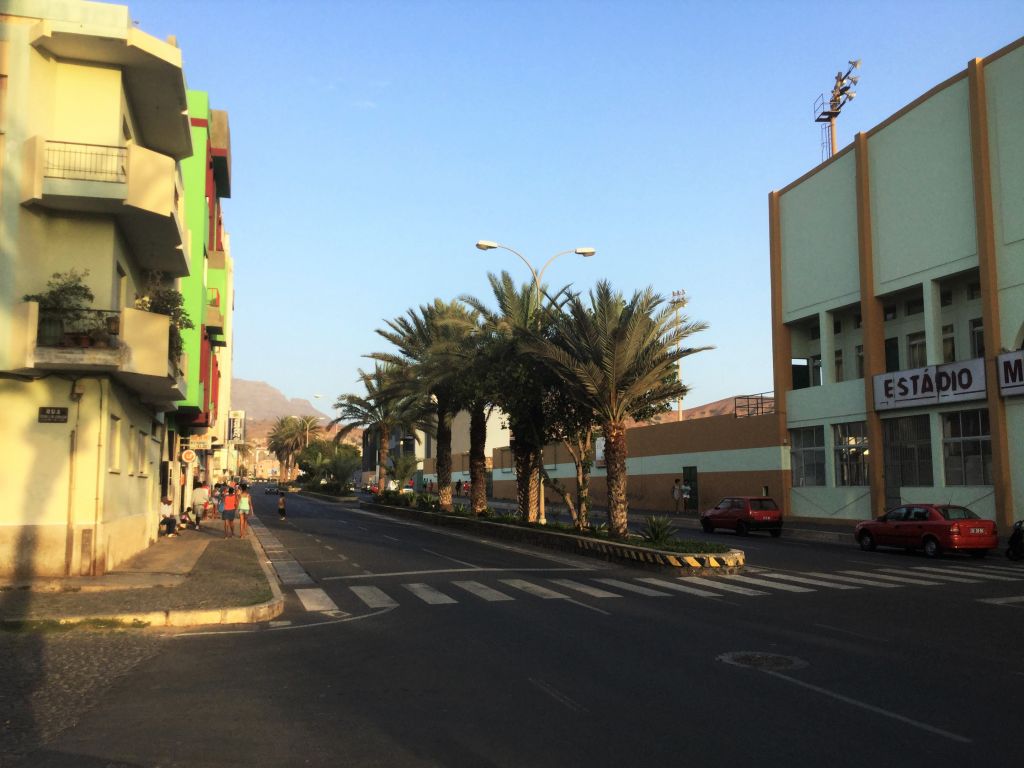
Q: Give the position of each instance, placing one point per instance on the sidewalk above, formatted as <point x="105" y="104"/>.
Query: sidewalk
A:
<point x="194" y="578"/>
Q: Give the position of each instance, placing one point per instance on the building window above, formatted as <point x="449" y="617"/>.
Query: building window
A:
<point x="815" y="332"/>
<point x="948" y="344"/>
<point x="917" y="352"/>
<point x="114" y="445"/>
<point x="946" y="297"/>
<point x="837" y="326"/>
<point x="967" y="447"/>
<point x="977" y="338"/>
<point x="914" y="307"/>
<point x="908" y="451"/>
<point x="140" y="447"/>
<point x="973" y="291"/>
<point x="807" y="455"/>
<point x="839" y="365"/>
<point x="892" y="355"/>
<point x="860" y="361"/>
<point x="815" y="361"/>
<point x="851" y="453"/>
<point x="857" y="321"/>
<point x="889" y="312"/>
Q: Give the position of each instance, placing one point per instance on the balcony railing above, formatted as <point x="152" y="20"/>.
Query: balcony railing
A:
<point x="85" y="162"/>
<point x="78" y="328"/>
<point x="754" y="405"/>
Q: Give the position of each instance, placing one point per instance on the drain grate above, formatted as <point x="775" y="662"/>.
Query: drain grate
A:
<point x="769" y="662"/>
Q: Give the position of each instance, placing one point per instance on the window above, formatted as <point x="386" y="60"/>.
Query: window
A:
<point x="967" y="447"/>
<point x="892" y="355"/>
<point x="837" y="326"/>
<point x="815" y="332"/>
<point x="140" y="453"/>
<point x="860" y="361"/>
<point x="914" y="307"/>
<point x="857" y="321"/>
<point x="946" y="297"/>
<point x="839" y="365"/>
<point x="948" y="344"/>
<point x="917" y="353"/>
<point x="973" y="291"/>
<point x="889" y="312"/>
<point x="908" y="450"/>
<point x="851" y="453"/>
<point x="815" y="361"/>
<point x="114" y="445"/>
<point x="977" y="337"/>
<point x="807" y="453"/>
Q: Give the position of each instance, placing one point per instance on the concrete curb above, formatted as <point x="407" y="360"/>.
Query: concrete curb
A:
<point x="682" y="564"/>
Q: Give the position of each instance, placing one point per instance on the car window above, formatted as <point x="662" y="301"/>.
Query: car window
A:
<point x="958" y="513"/>
<point x="896" y="515"/>
<point x="920" y="513"/>
<point x="723" y="504"/>
<point x="738" y="504"/>
<point x="762" y="504"/>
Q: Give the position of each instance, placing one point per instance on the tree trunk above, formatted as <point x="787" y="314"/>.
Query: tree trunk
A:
<point x="527" y="478"/>
<point x="443" y="462"/>
<point x="615" y="452"/>
<point x="382" y="459"/>
<point x="477" y="459"/>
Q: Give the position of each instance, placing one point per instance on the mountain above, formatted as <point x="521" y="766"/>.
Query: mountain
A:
<point x="262" y="402"/>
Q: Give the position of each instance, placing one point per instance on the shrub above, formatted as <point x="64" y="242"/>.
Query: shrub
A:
<point x="659" y="531"/>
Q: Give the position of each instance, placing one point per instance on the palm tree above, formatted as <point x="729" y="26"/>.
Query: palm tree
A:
<point x="310" y="428"/>
<point x="380" y="411"/>
<point x="285" y="440"/>
<point x="618" y="358"/>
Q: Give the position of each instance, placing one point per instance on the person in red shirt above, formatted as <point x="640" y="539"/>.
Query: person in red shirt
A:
<point x="230" y="505"/>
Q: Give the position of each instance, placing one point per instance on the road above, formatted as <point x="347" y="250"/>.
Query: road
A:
<point x="409" y="645"/>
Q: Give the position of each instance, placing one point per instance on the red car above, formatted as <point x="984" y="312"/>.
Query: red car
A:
<point x="935" y="528"/>
<point x="744" y="514"/>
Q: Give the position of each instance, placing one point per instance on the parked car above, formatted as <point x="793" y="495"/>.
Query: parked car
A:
<point x="744" y="514"/>
<point x="934" y="528"/>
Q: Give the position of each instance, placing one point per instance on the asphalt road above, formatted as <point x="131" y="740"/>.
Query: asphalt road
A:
<point x="410" y="645"/>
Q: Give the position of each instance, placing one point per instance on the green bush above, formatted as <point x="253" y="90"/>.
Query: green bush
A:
<point x="659" y="531"/>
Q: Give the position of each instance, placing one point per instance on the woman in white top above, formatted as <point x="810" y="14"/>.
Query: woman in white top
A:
<point x="244" y="509"/>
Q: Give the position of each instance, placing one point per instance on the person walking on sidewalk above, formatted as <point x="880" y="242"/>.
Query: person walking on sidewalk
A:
<point x="244" y="508"/>
<point x="230" y="502"/>
<point x="677" y="494"/>
<point x="280" y="507"/>
<point x="200" y="499"/>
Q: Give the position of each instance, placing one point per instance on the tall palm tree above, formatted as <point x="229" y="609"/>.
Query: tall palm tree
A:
<point x="311" y="430"/>
<point x="380" y="411"/>
<point x="618" y="358"/>
<point x="285" y="441"/>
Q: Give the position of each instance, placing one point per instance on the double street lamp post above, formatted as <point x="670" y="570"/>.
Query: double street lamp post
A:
<point x="586" y="252"/>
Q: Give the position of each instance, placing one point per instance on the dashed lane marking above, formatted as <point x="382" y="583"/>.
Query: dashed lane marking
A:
<point x="1003" y="600"/>
<point x="646" y="591"/>
<point x="933" y="573"/>
<point x="971" y="573"/>
<point x="802" y="580"/>
<point x="586" y="589"/>
<point x="678" y="587"/>
<point x="483" y="591"/>
<point x="711" y="584"/>
<point x="429" y="595"/>
<point x="852" y="580"/>
<point x="762" y="583"/>
<point x="900" y="579"/>
<point x="534" y="589"/>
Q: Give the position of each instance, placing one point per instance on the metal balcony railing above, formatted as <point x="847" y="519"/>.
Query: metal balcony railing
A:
<point x="78" y="328"/>
<point x="754" y="405"/>
<point x="85" y="162"/>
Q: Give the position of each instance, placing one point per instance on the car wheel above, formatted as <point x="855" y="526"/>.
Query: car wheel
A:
<point x="867" y="542"/>
<point x="707" y="526"/>
<point x="931" y="547"/>
<point x="979" y="553"/>
<point x="776" y="532"/>
<point x="742" y="529"/>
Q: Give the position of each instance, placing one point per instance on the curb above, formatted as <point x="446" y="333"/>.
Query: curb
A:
<point x="682" y="564"/>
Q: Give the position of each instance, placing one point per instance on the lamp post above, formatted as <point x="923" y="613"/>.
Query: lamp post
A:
<point x="585" y="252"/>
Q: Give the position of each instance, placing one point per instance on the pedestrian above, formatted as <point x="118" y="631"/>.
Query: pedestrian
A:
<point x="458" y="487"/>
<point x="200" y="499"/>
<point x="230" y="502"/>
<point x="244" y="508"/>
<point x="280" y="507"/>
<point x="677" y="493"/>
<point x="686" y="496"/>
<point x="167" y="519"/>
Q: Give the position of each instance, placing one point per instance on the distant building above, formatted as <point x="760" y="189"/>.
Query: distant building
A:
<point x="898" y="307"/>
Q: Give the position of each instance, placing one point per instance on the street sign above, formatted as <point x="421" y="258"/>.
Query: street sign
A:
<point x="188" y="456"/>
<point x="48" y="415"/>
<point x="199" y="442"/>
<point x="236" y="426"/>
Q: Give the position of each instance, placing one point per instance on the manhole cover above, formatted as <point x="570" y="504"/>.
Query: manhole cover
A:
<point x="770" y="662"/>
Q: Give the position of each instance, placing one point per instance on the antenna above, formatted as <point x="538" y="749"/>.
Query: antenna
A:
<point x="827" y="109"/>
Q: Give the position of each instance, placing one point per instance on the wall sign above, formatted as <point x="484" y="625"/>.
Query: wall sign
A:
<point x="188" y="456"/>
<point x="1010" y="369"/>
<point x="931" y="385"/>
<point x="49" y="415"/>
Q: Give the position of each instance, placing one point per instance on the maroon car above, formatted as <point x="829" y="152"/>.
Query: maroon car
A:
<point x="935" y="528"/>
<point x="744" y="514"/>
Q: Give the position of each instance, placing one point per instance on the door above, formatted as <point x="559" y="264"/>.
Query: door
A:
<point x="886" y="530"/>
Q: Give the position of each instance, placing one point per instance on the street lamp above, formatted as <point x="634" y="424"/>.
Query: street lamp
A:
<point x="827" y="109"/>
<point x="308" y="425"/>
<point x="586" y="252"/>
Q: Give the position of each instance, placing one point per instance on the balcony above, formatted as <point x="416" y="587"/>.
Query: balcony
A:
<point x="139" y="186"/>
<point x="130" y="344"/>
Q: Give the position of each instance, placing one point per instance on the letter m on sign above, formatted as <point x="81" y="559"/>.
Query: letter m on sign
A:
<point x="1011" y="373"/>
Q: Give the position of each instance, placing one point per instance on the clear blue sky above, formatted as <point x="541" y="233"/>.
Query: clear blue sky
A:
<point x="373" y="143"/>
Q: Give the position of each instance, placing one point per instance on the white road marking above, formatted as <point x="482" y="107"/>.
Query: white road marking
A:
<point x="765" y="583"/>
<point x="1003" y="600"/>
<point x="429" y="595"/>
<point x="586" y="589"/>
<point x="680" y="587"/>
<point x="534" y="589"/>
<point x="870" y="707"/>
<point x="1007" y="569"/>
<point x="901" y="579"/>
<point x="557" y="695"/>
<point x="646" y="591"/>
<point x="328" y="546"/>
<point x="933" y="573"/>
<point x="802" y="580"/>
<point x="483" y="591"/>
<point x="455" y="570"/>
<point x="280" y="624"/>
<point x="315" y="600"/>
<point x="373" y="597"/>
<point x="446" y="557"/>
<point x="392" y="538"/>
<point x="971" y="573"/>
<point x="711" y="584"/>
<point x="851" y="580"/>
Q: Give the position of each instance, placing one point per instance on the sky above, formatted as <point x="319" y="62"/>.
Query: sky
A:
<point x="373" y="143"/>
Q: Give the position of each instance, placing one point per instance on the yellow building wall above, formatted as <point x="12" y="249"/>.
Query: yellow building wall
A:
<point x="87" y="101"/>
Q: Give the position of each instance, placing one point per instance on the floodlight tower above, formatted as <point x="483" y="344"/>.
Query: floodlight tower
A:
<point x="826" y="110"/>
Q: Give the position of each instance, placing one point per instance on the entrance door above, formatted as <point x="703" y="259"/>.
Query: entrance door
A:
<point x="907" y="455"/>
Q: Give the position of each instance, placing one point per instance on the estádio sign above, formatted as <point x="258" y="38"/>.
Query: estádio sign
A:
<point x="931" y="385"/>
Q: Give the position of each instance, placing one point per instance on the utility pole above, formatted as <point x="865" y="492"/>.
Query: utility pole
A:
<point x="827" y="110"/>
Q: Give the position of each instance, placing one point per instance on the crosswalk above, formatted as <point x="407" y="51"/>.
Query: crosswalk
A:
<point x="755" y="583"/>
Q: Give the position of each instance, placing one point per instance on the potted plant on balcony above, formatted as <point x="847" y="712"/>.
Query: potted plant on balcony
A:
<point x="164" y="299"/>
<point x="62" y="304"/>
